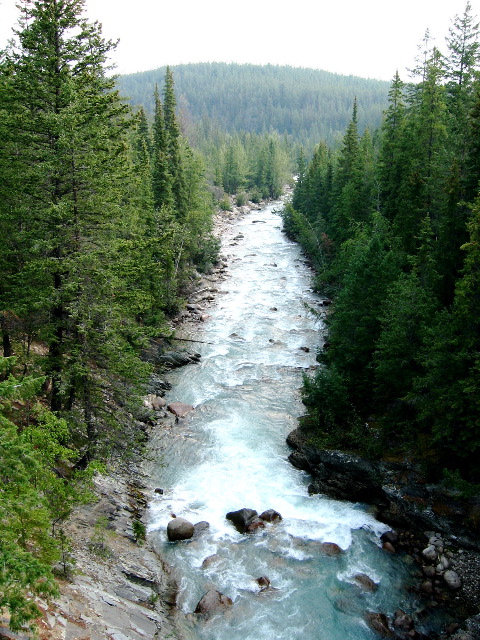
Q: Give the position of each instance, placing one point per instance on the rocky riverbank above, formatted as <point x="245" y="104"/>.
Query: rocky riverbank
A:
<point x="116" y="587"/>
<point x="437" y="527"/>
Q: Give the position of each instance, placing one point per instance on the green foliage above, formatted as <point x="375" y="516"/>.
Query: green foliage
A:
<point x="225" y="204"/>
<point x="241" y="199"/>
<point x="400" y="210"/>
<point x="27" y="550"/>
<point x="261" y="99"/>
<point x="98" y="542"/>
<point x="139" y="531"/>
<point x="102" y="222"/>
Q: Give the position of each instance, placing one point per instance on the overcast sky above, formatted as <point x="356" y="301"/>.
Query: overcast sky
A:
<point x="368" y="38"/>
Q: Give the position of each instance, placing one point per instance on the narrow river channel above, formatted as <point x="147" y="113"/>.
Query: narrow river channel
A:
<point x="231" y="453"/>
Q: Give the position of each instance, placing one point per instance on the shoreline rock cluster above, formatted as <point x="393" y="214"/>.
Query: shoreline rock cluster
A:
<point x="436" y="527"/>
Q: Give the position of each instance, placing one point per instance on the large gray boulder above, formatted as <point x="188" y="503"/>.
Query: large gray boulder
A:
<point x="212" y="602"/>
<point x="180" y="529"/>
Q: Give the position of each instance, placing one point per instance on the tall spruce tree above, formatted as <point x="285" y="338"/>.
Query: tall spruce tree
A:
<point x="69" y="139"/>
<point x="162" y="178"/>
<point x="173" y="146"/>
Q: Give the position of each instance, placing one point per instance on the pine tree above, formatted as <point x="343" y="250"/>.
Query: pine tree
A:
<point x="390" y="163"/>
<point x="173" y="147"/>
<point x="162" y="178"/>
<point x="70" y="129"/>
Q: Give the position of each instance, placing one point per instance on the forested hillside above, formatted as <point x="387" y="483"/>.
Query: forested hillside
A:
<point x="306" y="105"/>
<point x="102" y="221"/>
<point x="392" y="225"/>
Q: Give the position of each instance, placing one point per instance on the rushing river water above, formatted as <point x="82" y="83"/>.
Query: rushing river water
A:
<point x="231" y="453"/>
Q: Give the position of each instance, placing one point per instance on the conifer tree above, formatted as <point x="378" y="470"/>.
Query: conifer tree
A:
<point x="162" y="178"/>
<point x="70" y="130"/>
<point x="173" y="147"/>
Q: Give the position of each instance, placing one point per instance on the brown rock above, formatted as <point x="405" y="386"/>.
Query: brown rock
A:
<point x="330" y="549"/>
<point x="379" y="623"/>
<point x="254" y="526"/>
<point x="388" y="546"/>
<point x="426" y="587"/>
<point x="263" y="582"/>
<point x="212" y="602"/>
<point x="365" y="582"/>
<point x="270" y="516"/>
<point x="179" y="409"/>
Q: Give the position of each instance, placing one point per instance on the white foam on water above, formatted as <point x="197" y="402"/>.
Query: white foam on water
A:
<point x="246" y="393"/>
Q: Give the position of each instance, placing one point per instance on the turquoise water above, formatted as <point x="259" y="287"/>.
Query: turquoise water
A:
<point x="231" y="453"/>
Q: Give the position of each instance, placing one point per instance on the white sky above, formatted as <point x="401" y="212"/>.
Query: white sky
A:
<point x="368" y="38"/>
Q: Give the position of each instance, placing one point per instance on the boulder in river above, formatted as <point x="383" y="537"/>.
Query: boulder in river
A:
<point x="270" y="515"/>
<point x="379" y="623"/>
<point x="255" y="525"/>
<point x="330" y="549"/>
<point x="365" y="582"/>
<point x="180" y="529"/>
<point x="200" y="527"/>
<point x="263" y="582"/>
<point x="390" y="536"/>
<point x="242" y="518"/>
<point x="179" y="409"/>
<point x="212" y="602"/>
<point x="211" y="560"/>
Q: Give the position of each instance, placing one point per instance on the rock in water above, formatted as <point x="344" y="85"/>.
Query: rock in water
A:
<point x="200" y="527"/>
<point x="403" y="621"/>
<point x="179" y="409"/>
<point x="379" y="623"/>
<point x="180" y="529"/>
<point x="255" y="525"/>
<point x="212" y="602"/>
<point x="270" y="516"/>
<point x="330" y="548"/>
<point x="263" y="582"/>
<point x="242" y="518"/>
<point x="365" y="582"/>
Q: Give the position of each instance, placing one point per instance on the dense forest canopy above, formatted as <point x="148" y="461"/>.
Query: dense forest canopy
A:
<point x="305" y="105"/>
<point x="391" y="223"/>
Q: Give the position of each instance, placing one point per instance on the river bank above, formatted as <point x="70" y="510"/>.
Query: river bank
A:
<point x="116" y="585"/>
<point x="437" y="527"/>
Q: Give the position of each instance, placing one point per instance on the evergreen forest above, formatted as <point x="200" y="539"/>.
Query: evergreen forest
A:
<point x="103" y="220"/>
<point x="391" y="223"/>
<point x="251" y="122"/>
<point x="106" y="215"/>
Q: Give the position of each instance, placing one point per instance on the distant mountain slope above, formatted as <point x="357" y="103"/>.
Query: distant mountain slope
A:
<point x="307" y="105"/>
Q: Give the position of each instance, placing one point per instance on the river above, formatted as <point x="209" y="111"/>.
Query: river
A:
<point x="231" y="453"/>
